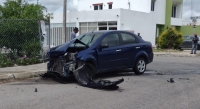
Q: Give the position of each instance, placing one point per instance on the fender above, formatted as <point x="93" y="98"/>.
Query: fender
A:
<point x="91" y="59"/>
<point x="143" y="54"/>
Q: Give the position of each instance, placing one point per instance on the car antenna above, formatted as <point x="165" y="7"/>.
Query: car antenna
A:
<point x="96" y="27"/>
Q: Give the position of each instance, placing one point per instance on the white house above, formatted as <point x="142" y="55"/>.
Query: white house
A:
<point x="147" y="17"/>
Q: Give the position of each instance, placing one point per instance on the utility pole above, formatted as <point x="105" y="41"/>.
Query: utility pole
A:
<point x="64" y="21"/>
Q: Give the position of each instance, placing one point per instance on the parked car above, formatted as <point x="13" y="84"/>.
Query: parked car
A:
<point x="99" y="52"/>
<point x="187" y="42"/>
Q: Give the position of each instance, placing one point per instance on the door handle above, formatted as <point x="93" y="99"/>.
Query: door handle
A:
<point x="137" y="47"/>
<point x="118" y="50"/>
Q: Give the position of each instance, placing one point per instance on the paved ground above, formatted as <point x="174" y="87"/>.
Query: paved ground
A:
<point x="19" y="69"/>
<point x="148" y="91"/>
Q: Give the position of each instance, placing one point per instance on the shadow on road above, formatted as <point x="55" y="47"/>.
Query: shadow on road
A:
<point x="70" y="80"/>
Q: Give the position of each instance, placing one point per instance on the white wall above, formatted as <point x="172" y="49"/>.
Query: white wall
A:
<point x="179" y="11"/>
<point x="94" y="16"/>
<point x="160" y="10"/>
<point x="90" y="16"/>
<point x="137" y="5"/>
<point x="176" y="21"/>
<point x="142" y="23"/>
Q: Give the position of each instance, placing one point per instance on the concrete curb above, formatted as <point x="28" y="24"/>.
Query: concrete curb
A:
<point x="179" y="54"/>
<point x="22" y="75"/>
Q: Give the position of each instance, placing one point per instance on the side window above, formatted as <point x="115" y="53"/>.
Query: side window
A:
<point x="128" y="38"/>
<point x="111" y="40"/>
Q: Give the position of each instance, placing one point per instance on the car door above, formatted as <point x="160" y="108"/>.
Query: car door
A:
<point x="130" y="47"/>
<point x="110" y="57"/>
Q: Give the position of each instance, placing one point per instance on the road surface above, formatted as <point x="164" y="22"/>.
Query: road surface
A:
<point x="148" y="91"/>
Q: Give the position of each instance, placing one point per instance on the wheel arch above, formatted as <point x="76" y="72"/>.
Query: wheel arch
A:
<point x="142" y="55"/>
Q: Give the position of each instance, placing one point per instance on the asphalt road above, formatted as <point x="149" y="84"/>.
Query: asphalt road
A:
<point x="148" y="91"/>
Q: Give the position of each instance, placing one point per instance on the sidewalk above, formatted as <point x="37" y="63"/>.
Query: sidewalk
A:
<point x="185" y="53"/>
<point x="22" y="72"/>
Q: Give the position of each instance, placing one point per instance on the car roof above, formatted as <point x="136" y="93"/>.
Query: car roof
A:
<point x="108" y="31"/>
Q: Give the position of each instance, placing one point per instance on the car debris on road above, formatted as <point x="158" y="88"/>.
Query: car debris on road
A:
<point x="171" y="80"/>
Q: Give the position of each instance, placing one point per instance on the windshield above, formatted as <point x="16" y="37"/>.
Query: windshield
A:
<point x="88" y="39"/>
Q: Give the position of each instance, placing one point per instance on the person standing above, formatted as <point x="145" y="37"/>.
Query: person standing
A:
<point x="195" y="40"/>
<point x="139" y="35"/>
<point x="73" y="34"/>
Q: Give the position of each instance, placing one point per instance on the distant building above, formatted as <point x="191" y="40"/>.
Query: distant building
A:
<point x="148" y="17"/>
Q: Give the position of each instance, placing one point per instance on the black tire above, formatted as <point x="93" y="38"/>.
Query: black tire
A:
<point x="91" y="70"/>
<point x="140" y="66"/>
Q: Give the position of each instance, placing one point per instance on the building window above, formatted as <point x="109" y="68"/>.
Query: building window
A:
<point x="110" y="6"/>
<point x="100" y="7"/>
<point x="97" y="26"/>
<point x="152" y="5"/>
<point x="174" y="11"/>
<point x="95" y="7"/>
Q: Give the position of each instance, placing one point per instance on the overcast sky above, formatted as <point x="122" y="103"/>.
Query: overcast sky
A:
<point x="56" y="6"/>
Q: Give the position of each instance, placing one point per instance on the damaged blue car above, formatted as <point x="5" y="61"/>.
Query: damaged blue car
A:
<point x="98" y="52"/>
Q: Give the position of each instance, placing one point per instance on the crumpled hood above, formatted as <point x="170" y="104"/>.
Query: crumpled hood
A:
<point x="61" y="49"/>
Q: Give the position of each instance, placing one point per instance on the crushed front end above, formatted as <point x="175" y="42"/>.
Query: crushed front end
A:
<point x="63" y="63"/>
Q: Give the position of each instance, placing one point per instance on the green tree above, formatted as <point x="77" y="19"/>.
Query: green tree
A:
<point x="170" y="39"/>
<point x="21" y="9"/>
<point x="19" y="26"/>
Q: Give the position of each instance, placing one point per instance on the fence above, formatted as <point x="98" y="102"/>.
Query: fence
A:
<point x="56" y="33"/>
<point x="20" y="42"/>
<point x="25" y="41"/>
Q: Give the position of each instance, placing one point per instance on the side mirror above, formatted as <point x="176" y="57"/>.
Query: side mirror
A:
<point x="103" y="46"/>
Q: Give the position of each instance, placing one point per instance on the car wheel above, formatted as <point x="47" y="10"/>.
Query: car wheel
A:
<point x="90" y="69"/>
<point x="140" y="66"/>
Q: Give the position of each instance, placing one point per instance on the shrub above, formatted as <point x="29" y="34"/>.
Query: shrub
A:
<point x="170" y="39"/>
<point x="27" y="61"/>
<point x="31" y="48"/>
<point x="5" y="61"/>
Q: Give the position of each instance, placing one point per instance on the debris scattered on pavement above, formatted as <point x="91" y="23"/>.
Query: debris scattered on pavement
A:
<point x="35" y="89"/>
<point x="160" y="73"/>
<point x="171" y="80"/>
